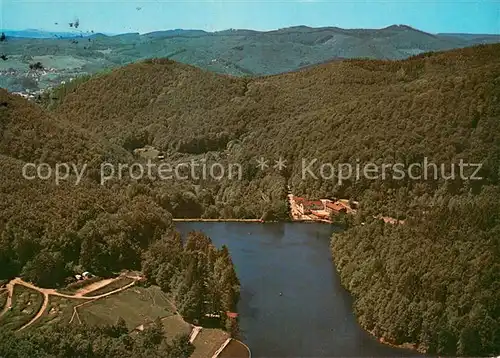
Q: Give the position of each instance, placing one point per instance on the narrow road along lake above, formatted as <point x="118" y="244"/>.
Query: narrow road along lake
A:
<point x="312" y="317"/>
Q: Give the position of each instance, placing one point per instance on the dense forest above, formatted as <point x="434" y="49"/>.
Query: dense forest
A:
<point x="49" y="231"/>
<point x="94" y="342"/>
<point x="439" y="106"/>
<point x="433" y="281"/>
<point x="200" y="277"/>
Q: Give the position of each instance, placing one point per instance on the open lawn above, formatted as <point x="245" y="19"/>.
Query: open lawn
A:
<point x="208" y="342"/>
<point x="25" y="305"/>
<point x="114" y="285"/>
<point x="235" y="349"/>
<point x="136" y="305"/>
<point x="175" y="326"/>
<point x="59" y="310"/>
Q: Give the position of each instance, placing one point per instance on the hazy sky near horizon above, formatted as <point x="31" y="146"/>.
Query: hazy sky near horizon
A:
<point x="114" y="16"/>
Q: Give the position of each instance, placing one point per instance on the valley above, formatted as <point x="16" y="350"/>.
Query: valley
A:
<point x="234" y="52"/>
<point x="431" y="282"/>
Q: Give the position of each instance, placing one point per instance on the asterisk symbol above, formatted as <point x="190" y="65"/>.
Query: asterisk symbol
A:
<point x="262" y="163"/>
<point x="280" y="164"/>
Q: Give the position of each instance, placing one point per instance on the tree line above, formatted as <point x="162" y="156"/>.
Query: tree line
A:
<point x="200" y="277"/>
<point x="433" y="281"/>
<point x="89" y="341"/>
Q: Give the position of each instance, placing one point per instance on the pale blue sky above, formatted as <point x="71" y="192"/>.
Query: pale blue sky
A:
<point x="482" y="16"/>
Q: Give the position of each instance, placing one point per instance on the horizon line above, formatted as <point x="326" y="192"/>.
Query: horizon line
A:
<point x="89" y="33"/>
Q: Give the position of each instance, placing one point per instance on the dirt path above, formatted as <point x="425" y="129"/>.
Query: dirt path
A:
<point x="194" y="333"/>
<point x="8" y="303"/>
<point x="94" y="287"/>
<point x="50" y="291"/>
<point x="46" y="292"/>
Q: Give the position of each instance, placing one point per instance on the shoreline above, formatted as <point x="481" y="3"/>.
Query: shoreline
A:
<point x="250" y="220"/>
<point x="408" y="346"/>
<point x="217" y="220"/>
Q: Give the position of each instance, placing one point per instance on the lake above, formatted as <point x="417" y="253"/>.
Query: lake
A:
<point x="313" y="316"/>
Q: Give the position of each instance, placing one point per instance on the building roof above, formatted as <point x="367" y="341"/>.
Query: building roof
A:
<point x="336" y="206"/>
<point x="232" y="314"/>
<point x="320" y="214"/>
<point x="298" y="199"/>
<point x="317" y="203"/>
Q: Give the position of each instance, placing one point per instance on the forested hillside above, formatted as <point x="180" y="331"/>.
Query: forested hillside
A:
<point x="441" y="106"/>
<point x="200" y="277"/>
<point x="50" y="231"/>
<point x="31" y="134"/>
<point x="434" y="281"/>
<point x="94" y="342"/>
<point x="234" y="52"/>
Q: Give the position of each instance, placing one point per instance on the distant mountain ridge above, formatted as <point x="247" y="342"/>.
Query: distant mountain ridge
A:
<point x="433" y="282"/>
<point x="37" y="33"/>
<point x="236" y="52"/>
<point x="40" y="34"/>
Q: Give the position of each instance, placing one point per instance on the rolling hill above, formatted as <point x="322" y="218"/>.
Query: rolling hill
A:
<point x="48" y="227"/>
<point x="441" y="107"/>
<point x="432" y="282"/>
<point x="235" y="52"/>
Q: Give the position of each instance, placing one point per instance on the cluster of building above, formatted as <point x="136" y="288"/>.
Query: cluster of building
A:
<point x="9" y="72"/>
<point x="324" y="209"/>
<point x="34" y="74"/>
<point x="84" y="276"/>
<point x="37" y="77"/>
<point x="320" y="209"/>
<point x="29" y="94"/>
<point x="149" y="152"/>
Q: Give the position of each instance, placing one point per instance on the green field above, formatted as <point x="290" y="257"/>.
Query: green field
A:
<point x="25" y="305"/>
<point x="208" y="342"/>
<point x="59" y="310"/>
<point x="118" y="283"/>
<point x="136" y="306"/>
<point x="175" y="326"/>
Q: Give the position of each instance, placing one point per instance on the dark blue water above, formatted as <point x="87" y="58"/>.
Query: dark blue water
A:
<point x="313" y="316"/>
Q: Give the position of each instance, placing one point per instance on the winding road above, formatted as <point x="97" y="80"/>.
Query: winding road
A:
<point x="46" y="292"/>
